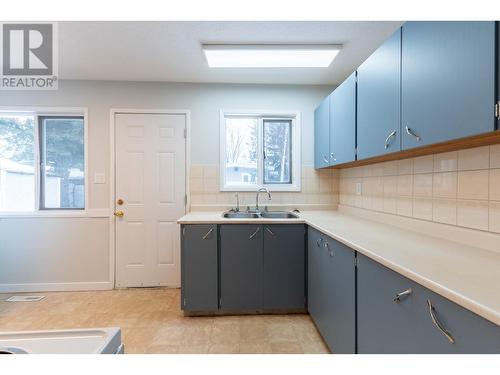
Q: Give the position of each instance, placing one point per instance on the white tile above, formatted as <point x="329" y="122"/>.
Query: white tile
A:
<point x="196" y="171"/>
<point x="494" y="222"/>
<point x="423" y="164"/>
<point x="196" y="185"/>
<point x="405" y="185"/>
<point x="444" y="185"/>
<point x="210" y="185"/>
<point x="377" y="169"/>
<point x="390" y="185"/>
<point x="474" y="158"/>
<point x="447" y="161"/>
<point x="495" y="184"/>
<point x="422" y="185"/>
<point x="210" y="171"/>
<point x="390" y="204"/>
<point x="404" y="206"/>
<point x="495" y="156"/>
<point x="422" y="208"/>
<point x="473" y="185"/>
<point x="405" y="166"/>
<point x="472" y="214"/>
<point x="390" y="168"/>
<point x="444" y="211"/>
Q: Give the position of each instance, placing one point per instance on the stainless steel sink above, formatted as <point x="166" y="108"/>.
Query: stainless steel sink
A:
<point x="240" y="215"/>
<point x="278" y="215"/>
<point x="260" y="215"/>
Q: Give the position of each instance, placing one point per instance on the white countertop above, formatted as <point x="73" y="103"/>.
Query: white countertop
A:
<point x="467" y="275"/>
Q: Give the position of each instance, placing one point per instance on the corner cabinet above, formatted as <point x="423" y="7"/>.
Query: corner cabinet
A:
<point x="331" y="291"/>
<point x="378" y="100"/>
<point x="447" y="81"/>
<point x="322" y="134"/>
<point x="343" y="122"/>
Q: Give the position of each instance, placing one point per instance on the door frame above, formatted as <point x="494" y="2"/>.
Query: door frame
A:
<point x="112" y="179"/>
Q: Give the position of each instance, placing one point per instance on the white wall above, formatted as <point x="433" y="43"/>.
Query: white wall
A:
<point x="42" y="250"/>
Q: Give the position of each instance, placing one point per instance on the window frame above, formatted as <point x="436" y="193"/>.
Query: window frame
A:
<point x="296" y="151"/>
<point x="47" y="112"/>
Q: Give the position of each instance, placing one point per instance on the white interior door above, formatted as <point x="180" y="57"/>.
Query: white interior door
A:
<point x="150" y="188"/>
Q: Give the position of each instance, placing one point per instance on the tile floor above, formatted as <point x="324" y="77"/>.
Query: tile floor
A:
<point x="152" y="322"/>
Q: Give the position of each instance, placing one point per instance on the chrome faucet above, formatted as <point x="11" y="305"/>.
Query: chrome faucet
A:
<point x="262" y="189"/>
<point x="237" y="209"/>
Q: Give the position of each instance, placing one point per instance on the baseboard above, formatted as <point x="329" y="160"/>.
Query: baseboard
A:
<point x="55" y="287"/>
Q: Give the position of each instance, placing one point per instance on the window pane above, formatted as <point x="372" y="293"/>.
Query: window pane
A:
<point x="241" y="151"/>
<point x="277" y="151"/>
<point x="63" y="180"/>
<point x="17" y="163"/>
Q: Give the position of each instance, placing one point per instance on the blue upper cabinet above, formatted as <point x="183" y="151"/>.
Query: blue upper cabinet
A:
<point x="322" y="134"/>
<point x="378" y="100"/>
<point x="343" y="122"/>
<point x="447" y="81"/>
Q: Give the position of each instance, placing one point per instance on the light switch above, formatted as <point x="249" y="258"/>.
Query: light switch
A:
<point x="359" y="188"/>
<point x="99" y="178"/>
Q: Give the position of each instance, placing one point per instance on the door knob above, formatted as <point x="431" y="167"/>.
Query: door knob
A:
<point x="119" y="213"/>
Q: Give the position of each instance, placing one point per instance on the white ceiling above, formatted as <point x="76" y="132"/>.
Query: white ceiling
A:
<point x="171" y="51"/>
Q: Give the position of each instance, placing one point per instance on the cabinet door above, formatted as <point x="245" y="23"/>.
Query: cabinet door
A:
<point x="470" y="333"/>
<point x="385" y="325"/>
<point x="284" y="266"/>
<point x="378" y="100"/>
<point x="343" y="122"/>
<point x="199" y="267"/>
<point x="448" y="78"/>
<point x="331" y="291"/>
<point x="322" y="134"/>
<point x="241" y="265"/>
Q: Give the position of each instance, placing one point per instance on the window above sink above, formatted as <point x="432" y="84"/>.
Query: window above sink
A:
<point x="260" y="149"/>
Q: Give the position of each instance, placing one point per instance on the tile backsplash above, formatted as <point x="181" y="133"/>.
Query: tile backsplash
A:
<point x="318" y="188"/>
<point x="459" y="188"/>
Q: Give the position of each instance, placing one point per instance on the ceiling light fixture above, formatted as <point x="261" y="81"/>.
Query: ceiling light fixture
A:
<point x="270" y="56"/>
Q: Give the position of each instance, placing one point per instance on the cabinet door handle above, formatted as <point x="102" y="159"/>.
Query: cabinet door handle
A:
<point x="327" y="246"/>
<point x="319" y="241"/>
<point x="325" y="159"/>
<point x="207" y="234"/>
<point x="435" y="321"/>
<point x="270" y="232"/>
<point x="387" y="140"/>
<point x="412" y="133"/>
<point x="254" y="233"/>
<point x="407" y="292"/>
<point x="332" y="155"/>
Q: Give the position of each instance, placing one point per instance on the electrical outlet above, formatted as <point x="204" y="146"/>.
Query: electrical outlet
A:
<point x="359" y="188"/>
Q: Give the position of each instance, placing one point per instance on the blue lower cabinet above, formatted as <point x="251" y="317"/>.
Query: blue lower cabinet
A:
<point x="284" y="267"/>
<point x="241" y="267"/>
<point x="397" y="315"/>
<point x="387" y="310"/>
<point x="331" y="291"/>
<point x="199" y="267"/>
<point x="446" y="328"/>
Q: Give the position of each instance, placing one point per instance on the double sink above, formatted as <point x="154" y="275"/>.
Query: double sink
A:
<point x="259" y="215"/>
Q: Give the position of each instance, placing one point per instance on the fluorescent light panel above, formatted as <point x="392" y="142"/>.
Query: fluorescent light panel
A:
<point x="270" y="56"/>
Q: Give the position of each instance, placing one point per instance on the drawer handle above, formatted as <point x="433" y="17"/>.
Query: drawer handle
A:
<point x="412" y="133"/>
<point x="254" y="233"/>
<point x="387" y="140"/>
<point x="207" y="234"/>
<point x="432" y="313"/>
<point x="327" y="246"/>
<point x="407" y="292"/>
<point x="319" y="241"/>
<point x="270" y="232"/>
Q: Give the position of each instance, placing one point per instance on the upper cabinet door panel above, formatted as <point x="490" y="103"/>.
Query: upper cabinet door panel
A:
<point x="343" y="122"/>
<point x="378" y="100"/>
<point x="322" y="134"/>
<point x="448" y="81"/>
